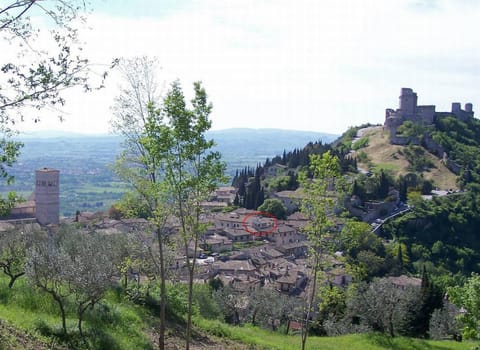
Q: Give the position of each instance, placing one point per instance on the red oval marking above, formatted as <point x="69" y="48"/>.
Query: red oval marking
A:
<point x="259" y="233"/>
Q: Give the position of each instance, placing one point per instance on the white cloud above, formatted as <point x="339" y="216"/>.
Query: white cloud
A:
<point x="313" y="65"/>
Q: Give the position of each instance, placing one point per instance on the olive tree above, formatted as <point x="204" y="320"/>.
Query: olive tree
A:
<point x="14" y="243"/>
<point x="90" y="270"/>
<point x="48" y="267"/>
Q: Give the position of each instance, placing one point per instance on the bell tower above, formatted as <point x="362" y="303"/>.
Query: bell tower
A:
<point x="47" y="196"/>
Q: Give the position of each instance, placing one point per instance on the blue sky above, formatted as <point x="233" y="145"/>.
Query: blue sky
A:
<point x="304" y="64"/>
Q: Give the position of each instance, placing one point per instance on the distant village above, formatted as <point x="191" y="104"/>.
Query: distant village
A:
<point x="245" y="249"/>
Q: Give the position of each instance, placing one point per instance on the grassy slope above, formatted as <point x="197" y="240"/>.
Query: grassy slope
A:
<point x="118" y="324"/>
<point x="269" y="340"/>
<point x="384" y="155"/>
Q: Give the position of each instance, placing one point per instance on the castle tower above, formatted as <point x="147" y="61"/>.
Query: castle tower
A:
<point x="408" y="102"/>
<point x="47" y="196"/>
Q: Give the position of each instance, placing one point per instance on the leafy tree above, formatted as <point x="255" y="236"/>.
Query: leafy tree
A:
<point x="443" y="323"/>
<point x="446" y="229"/>
<point x="317" y="206"/>
<point x="14" y="244"/>
<point x="48" y="268"/>
<point x="191" y="169"/>
<point x="468" y="297"/>
<point x="274" y="207"/>
<point x="364" y="251"/>
<point x="34" y="78"/>
<point x="91" y="268"/>
<point x="141" y="162"/>
<point x="382" y="306"/>
<point x="230" y="304"/>
<point x="270" y="309"/>
<point x="411" y="129"/>
<point x="332" y="305"/>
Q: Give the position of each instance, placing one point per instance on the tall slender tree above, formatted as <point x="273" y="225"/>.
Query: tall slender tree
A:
<point x="317" y="206"/>
<point x="140" y="163"/>
<point x="192" y="170"/>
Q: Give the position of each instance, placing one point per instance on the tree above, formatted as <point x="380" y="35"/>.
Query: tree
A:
<point x="190" y="169"/>
<point x="138" y="120"/>
<point x="48" y="267"/>
<point x="274" y="207"/>
<point x="73" y="264"/>
<point x="468" y="298"/>
<point x="13" y="251"/>
<point x="357" y="236"/>
<point x="229" y="303"/>
<point x="382" y="306"/>
<point x="317" y="206"/>
<point x="91" y="269"/>
<point x="270" y="309"/>
<point x="443" y="323"/>
<point x="33" y="78"/>
<point x="37" y="77"/>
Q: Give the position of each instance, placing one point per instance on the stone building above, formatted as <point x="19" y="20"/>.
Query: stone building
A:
<point x="47" y="196"/>
<point x="43" y="205"/>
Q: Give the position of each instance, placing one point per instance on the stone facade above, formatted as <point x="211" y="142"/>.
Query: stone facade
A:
<point x="47" y="196"/>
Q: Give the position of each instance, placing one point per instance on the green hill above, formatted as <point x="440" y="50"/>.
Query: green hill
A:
<point x="28" y="320"/>
<point x="378" y="153"/>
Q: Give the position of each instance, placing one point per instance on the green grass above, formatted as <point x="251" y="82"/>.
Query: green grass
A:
<point x="249" y="244"/>
<point x="112" y="324"/>
<point x="388" y="167"/>
<point x="118" y="324"/>
<point x="269" y="340"/>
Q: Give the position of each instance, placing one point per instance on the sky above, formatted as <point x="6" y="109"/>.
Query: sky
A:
<point x="316" y="65"/>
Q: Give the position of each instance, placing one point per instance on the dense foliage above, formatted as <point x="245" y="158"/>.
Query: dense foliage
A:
<point x="441" y="233"/>
<point x="460" y="140"/>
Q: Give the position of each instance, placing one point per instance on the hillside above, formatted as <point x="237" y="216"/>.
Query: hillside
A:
<point x="30" y="321"/>
<point x="381" y="154"/>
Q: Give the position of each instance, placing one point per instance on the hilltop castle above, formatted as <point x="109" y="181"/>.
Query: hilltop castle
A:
<point x="425" y="115"/>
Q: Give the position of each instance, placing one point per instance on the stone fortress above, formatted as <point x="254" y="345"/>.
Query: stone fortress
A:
<point x="43" y="206"/>
<point x="424" y="115"/>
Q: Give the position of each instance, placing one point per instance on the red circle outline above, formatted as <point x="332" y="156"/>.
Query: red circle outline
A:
<point x="260" y="233"/>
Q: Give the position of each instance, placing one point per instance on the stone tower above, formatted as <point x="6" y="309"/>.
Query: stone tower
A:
<point x="47" y="196"/>
<point x="408" y="102"/>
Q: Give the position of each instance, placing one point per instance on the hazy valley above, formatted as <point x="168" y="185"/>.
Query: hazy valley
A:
<point x="88" y="182"/>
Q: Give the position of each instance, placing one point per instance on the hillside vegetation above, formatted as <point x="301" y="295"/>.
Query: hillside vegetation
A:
<point x="29" y="321"/>
<point x="381" y="154"/>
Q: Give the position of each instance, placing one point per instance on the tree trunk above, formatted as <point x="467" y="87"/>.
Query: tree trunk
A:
<point x="59" y="301"/>
<point x="163" y="293"/>
<point x="80" y="319"/>
<point x="190" y="302"/>
<point x="310" y="302"/>
<point x="254" y="316"/>
<point x="13" y="278"/>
